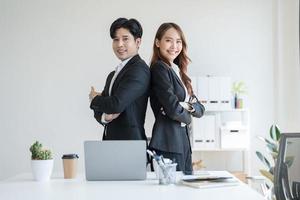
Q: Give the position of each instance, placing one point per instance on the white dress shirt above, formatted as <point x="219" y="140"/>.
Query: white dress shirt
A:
<point x="117" y="71"/>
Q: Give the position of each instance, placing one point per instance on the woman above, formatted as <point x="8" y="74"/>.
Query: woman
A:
<point x="171" y="97"/>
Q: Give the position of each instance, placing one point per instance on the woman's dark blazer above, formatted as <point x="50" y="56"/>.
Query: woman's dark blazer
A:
<point x="166" y="92"/>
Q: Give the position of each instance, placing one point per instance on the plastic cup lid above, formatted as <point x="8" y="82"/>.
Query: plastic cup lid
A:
<point x="70" y="156"/>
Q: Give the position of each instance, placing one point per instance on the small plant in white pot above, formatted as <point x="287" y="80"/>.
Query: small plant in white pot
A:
<point x="41" y="162"/>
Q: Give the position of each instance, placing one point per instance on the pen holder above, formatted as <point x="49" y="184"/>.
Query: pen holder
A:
<point x="167" y="174"/>
<point x="155" y="166"/>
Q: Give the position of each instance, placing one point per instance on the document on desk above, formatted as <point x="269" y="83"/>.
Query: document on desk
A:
<point x="209" y="181"/>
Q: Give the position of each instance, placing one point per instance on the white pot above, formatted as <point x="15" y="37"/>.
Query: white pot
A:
<point x="41" y="169"/>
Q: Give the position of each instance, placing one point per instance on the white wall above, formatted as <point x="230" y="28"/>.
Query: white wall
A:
<point x="288" y="68"/>
<point x="52" y="51"/>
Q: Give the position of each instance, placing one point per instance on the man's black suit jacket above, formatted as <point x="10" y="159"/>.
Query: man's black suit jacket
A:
<point x="167" y="91"/>
<point x="129" y="96"/>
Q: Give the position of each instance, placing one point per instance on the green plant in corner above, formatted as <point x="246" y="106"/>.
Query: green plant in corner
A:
<point x="38" y="153"/>
<point x="272" y="147"/>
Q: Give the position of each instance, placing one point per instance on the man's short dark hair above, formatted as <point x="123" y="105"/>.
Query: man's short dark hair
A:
<point x="132" y="25"/>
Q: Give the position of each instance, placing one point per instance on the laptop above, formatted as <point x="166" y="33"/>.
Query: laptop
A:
<point x="111" y="160"/>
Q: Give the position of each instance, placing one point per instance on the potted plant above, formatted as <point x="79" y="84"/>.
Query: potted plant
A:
<point x="238" y="88"/>
<point x="272" y="147"/>
<point x="41" y="162"/>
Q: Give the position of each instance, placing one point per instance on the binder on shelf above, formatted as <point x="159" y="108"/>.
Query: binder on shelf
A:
<point x="214" y="92"/>
<point x="204" y="132"/>
<point x="225" y="94"/>
<point x="202" y="90"/>
<point x="210" y="132"/>
<point x="198" y="132"/>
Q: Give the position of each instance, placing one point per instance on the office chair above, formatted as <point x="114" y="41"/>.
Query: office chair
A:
<point x="287" y="169"/>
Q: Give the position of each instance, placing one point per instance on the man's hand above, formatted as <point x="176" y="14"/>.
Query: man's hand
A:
<point x="93" y="93"/>
<point x="110" y="117"/>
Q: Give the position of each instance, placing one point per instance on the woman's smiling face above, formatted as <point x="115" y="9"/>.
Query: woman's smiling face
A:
<point x="170" y="45"/>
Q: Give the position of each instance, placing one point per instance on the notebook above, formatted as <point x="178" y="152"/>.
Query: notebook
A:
<point x="209" y="180"/>
<point x="115" y="160"/>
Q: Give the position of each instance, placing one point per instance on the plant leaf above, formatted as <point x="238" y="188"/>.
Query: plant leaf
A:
<point x="264" y="139"/>
<point x="271" y="170"/>
<point x="275" y="133"/>
<point x="263" y="159"/>
<point x="267" y="141"/>
<point x="267" y="186"/>
<point x="267" y="174"/>
<point x="239" y="87"/>
<point x="272" y="148"/>
<point x="274" y="155"/>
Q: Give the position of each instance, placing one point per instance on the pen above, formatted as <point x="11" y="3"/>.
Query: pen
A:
<point x="150" y="153"/>
<point x="155" y="156"/>
<point x="160" y="162"/>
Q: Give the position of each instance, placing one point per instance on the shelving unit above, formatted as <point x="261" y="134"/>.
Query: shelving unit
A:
<point x="223" y="131"/>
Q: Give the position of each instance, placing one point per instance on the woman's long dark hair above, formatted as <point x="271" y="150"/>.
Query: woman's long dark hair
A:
<point x="182" y="60"/>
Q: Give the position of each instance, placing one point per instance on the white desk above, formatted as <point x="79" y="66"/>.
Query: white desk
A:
<point x="22" y="187"/>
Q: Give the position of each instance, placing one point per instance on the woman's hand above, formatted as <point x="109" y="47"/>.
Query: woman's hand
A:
<point x="188" y="106"/>
<point x="110" y="117"/>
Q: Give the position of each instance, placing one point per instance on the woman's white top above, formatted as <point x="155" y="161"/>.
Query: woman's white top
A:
<point x="187" y="96"/>
<point x="176" y="69"/>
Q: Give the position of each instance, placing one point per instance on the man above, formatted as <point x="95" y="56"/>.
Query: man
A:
<point x="121" y="107"/>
